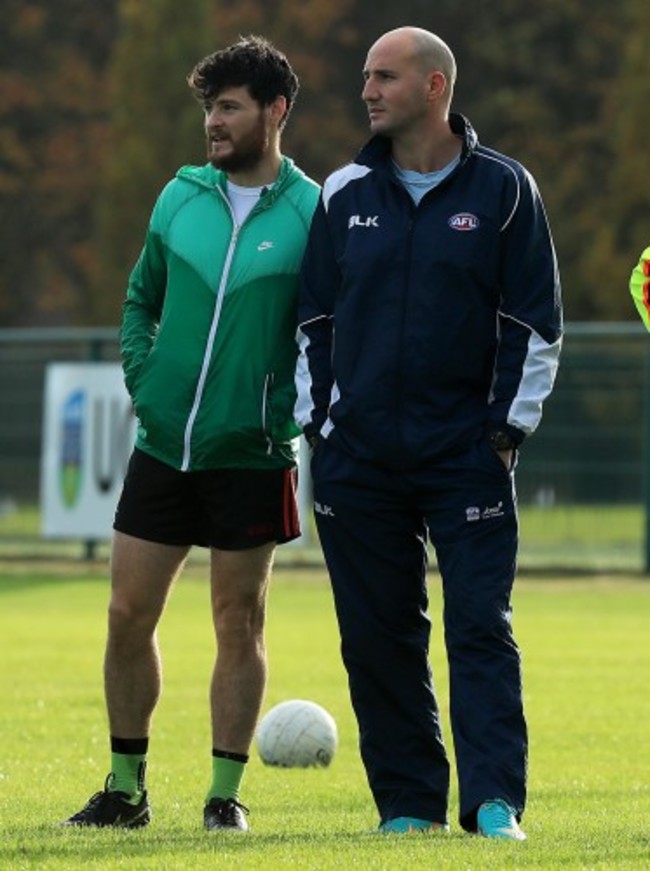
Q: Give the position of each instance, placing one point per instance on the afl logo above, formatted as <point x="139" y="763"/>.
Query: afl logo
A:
<point x="463" y="221"/>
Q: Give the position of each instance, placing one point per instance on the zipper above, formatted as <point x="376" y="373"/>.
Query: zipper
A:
<point x="200" y="387"/>
<point x="400" y="380"/>
<point x="399" y="420"/>
<point x="198" y="395"/>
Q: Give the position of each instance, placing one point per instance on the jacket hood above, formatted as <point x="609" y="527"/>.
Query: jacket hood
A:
<point x="208" y="176"/>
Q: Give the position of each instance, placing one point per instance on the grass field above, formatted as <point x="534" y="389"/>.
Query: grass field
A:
<point x="587" y="669"/>
<point x="577" y="538"/>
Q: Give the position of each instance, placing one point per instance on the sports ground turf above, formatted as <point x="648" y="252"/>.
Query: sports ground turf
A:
<point x="587" y="675"/>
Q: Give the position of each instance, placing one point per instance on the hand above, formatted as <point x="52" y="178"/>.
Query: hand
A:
<point x="506" y="456"/>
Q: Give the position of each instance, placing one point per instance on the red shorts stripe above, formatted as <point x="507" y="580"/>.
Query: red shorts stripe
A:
<point x="291" y="519"/>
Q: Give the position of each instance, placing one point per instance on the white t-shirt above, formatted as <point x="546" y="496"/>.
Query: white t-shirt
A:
<point x="243" y="199"/>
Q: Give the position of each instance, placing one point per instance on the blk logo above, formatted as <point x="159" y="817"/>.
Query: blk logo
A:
<point x="358" y="221"/>
<point x="464" y="221"/>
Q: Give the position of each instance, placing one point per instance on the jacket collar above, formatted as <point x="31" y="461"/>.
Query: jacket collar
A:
<point x="378" y="150"/>
<point x="210" y="177"/>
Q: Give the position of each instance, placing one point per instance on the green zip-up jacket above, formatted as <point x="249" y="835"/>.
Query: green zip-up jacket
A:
<point x="208" y="327"/>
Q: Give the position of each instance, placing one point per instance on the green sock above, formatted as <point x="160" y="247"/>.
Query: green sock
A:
<point x="227" y="774"/>
<point x="128" y="766"/>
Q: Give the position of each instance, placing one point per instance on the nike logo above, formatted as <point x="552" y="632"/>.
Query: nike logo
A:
<point x="264" y="246"/>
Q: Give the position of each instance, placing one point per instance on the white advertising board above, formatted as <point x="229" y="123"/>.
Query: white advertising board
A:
<point x="88" y="434"/>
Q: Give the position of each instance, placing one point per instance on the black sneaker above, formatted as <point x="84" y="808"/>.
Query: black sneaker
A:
<point x="112" y="809"/>
<point x="225" y="813"/>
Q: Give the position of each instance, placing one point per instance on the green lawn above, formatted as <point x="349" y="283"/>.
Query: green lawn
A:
<point x="587" y="665"/>
<point x="598" y="537"/>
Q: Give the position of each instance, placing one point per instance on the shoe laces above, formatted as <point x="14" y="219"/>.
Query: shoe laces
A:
<point x="501" y="814"/>
<point x="225" y="807"/>
<point x="93" y="802"/>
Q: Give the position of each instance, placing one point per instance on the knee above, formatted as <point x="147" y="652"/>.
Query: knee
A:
<point x="479" y="628"/>
<point x="239" y="620"/>
<point x="126" y="617"/>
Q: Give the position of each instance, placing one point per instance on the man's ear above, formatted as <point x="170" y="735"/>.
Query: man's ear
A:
<point x="437" y="85"/>
<point x="278" y="109"/>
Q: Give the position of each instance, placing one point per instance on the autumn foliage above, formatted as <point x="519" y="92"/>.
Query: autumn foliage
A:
<point x="95" y="116"/>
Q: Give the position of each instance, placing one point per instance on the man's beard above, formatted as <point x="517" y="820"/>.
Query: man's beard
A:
<point x="248" y="152"/>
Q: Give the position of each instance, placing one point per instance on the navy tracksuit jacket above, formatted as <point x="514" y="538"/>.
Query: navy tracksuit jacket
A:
<point x="421" y="329"/>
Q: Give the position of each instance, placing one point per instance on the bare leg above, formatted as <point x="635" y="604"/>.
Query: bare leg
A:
<point x="239" y="589"/>
<point x="142" y="573"/>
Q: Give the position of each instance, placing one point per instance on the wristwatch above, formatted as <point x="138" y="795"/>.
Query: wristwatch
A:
<point x="501" y="440"/>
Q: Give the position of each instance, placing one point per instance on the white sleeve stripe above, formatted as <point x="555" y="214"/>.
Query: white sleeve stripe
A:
<point x="342" y="177"/>
<point x="517" y="198"/>
<point x="313" y="320"/>
<point x="538" y="376"/>
<point x="304" y="406"/>
<point x="521" y="323"/>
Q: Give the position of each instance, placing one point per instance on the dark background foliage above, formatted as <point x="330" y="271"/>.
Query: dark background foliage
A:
<point x="95" y="116"/>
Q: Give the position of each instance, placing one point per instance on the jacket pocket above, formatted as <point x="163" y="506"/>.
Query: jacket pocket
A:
<point x="267" y="411"/>
<point x="135" y="380"/>
<point x="491" y="461"/>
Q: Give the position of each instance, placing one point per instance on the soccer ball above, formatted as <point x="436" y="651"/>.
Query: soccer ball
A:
<point x="297" y="734"/>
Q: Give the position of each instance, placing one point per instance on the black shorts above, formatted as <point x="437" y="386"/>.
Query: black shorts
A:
<point x="231" y="509"/>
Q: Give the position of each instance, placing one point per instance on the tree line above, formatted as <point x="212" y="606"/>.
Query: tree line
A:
<point x="95" y="116"/>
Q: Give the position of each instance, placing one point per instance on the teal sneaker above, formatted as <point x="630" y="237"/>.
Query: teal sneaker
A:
<point x="496" y="819"/>
<point x="406" y="825"/>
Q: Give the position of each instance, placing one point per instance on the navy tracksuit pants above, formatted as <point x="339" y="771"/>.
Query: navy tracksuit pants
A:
<point x="373" y="525"/>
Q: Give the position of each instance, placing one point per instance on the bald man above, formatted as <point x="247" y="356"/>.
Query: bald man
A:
<point x="429" y="338"/>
